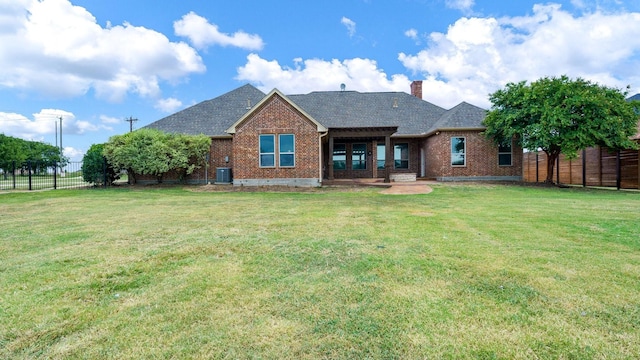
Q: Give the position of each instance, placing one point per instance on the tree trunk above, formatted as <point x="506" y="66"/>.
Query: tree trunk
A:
<point x="552" y="157"/>
<point x="131" y="177"/>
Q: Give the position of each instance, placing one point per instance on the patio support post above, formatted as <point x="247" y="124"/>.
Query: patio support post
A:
<point x="330" y="157"/>
<point x="388" y="158"/>
<point x="374" y="159"/>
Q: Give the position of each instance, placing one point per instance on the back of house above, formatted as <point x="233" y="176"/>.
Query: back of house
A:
<point x="303" y="139"/>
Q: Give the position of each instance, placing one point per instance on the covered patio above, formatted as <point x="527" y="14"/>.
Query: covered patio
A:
<point x="352" y="153"/>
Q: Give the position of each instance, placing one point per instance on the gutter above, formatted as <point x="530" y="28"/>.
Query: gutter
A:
<point x="439" y="130"/>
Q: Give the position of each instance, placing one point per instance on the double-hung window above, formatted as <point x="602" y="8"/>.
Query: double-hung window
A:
<point x="287" y="149"/>
<point x="505" y="154"/>
<point x="267" y="150"/>
<point x="458" y="151"/>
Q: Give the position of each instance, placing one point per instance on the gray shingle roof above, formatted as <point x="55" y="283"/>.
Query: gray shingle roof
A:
<point x="463" y="115"/>
<point x="211" y="117"/>
<point x="634" y="97"/>
<point x="332" y="109"/>
<point x="343" y="109"/>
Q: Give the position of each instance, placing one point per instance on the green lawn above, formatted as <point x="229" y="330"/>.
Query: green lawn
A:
<point x="468" y="271"/>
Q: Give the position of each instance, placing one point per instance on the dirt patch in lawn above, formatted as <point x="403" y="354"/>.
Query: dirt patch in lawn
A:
<point x="391" y="189"/>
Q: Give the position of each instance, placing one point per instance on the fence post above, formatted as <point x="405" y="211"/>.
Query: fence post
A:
<point x="29" y="173"/>
<point x="13" y="174"/>
<point x="55" y="175"/>
<point x="537" y="167"/>
<point x="584" y="168"/>
<point x="618" y="171"/>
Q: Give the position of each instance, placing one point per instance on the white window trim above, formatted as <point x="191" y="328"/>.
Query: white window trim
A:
<point x="280" y="152"/>
<point x="266" y="153"/>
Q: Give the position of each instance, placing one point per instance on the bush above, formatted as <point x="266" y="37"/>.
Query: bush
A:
<point x="93" y="167"/>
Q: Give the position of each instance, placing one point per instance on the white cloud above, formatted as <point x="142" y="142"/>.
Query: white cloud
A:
<point x="462" y="5"/>
<point x="202" y="34"/>
<point x="479" y="55"/>
<point x="350" y="25"/>
<point x="578" y="4"/>
<point x="58" y="49"/>
<point x="73" y="154"/>
<point x="45" y="122"/>
<point x="411" y="34"/>
<point x="320" y="75"/>
<point x="109" y="120"/>
<point x="168" y="105"/>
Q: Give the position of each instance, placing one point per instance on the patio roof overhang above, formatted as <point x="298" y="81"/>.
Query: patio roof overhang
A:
<point x="375" y="132"/>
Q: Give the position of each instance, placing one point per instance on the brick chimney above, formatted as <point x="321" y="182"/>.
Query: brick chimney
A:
<point x="416" y="88"/>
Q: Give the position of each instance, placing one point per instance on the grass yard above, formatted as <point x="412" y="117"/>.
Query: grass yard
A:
<point x="466" y="272"/>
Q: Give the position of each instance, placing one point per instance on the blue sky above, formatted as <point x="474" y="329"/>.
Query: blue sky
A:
<point x="96" y="63"/>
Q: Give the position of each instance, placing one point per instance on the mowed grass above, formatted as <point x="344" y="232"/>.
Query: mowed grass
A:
<point x="468" y="271"/>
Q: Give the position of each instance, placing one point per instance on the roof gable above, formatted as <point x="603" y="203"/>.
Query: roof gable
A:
<point x="274" y="92"/>
<point x="462" y="116"/>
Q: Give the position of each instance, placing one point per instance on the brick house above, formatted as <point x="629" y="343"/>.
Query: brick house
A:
<point x="301" y="140"/>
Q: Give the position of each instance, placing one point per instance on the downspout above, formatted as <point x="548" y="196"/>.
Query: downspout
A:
<point x="320" y="154"/>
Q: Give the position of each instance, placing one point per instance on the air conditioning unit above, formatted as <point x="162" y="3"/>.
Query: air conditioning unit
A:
<point x="223" y="175"/>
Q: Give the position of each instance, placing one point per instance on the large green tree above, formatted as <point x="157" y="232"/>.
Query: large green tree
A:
<point x="153" y="152"/>
<point x="18" y="151"/>
<point x="561" y="115"/>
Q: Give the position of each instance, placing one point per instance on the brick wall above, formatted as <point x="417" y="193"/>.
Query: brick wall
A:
<point x="221" y="150"/>
<point x="481" y="153"/>
<point x="276" y="116"/>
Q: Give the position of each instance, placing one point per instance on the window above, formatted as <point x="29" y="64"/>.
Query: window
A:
<point x="380" y="155"/>
<point x="401" y="156"/>
<point x="504" y="154"/>
<point x="287" y="150"/>
<point x="340" y="156"/>
<point x="267" y="150"/>
<point x="359" y="157"/>
<point x="458" y="151"/>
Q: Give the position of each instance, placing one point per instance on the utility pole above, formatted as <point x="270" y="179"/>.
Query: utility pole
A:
<point x="61" y="148"/>
<point x="130" y="120"/>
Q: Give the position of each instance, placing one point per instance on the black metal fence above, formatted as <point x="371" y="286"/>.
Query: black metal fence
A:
<point x="39" y="175"/>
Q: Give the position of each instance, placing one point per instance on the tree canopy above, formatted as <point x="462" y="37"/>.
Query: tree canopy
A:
<point x="561" y="115"/>
<point x="153" y="152"/>
<point x="18" y="150"/>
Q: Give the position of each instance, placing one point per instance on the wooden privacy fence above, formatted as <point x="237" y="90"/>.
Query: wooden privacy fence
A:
<point x="593" y="167"/>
